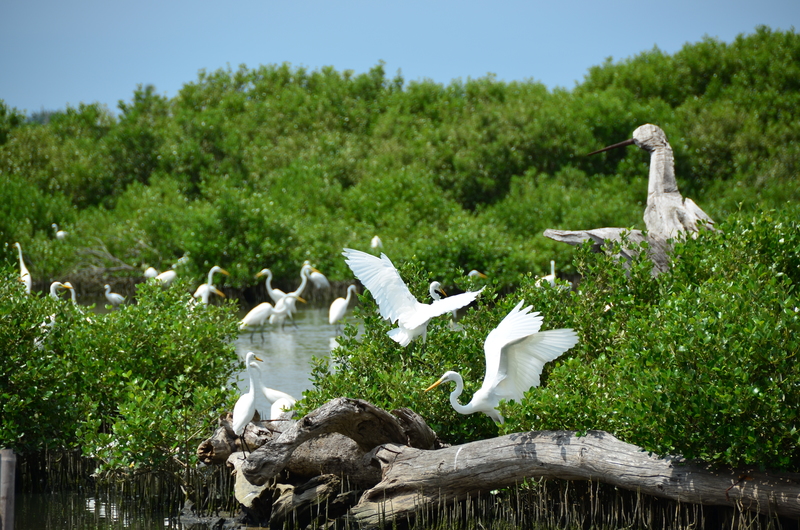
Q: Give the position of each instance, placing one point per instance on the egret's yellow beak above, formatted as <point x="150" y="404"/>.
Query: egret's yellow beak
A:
<point x="223" y="271"/>
<point x="437" y="383"/>
<point x="257" y="359"/>
<point x="218" y="292"/>
<point x="259" y="275"/>
<point x="301" y="299"/>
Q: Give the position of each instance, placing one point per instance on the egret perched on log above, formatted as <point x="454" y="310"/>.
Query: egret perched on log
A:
<point x="245" y="406"/>
<point x="339" y="307"/>
<point x="24" y="275"/>
<point x="515" y="351"/>
<point x="114" y="299"/>
<point x="395" y="301"/>
<point x="60" y="234"/>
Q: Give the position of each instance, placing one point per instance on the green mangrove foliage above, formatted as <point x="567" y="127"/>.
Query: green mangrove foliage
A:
<point x="701" y="361"/>
<point x="136" y="388"/>
<point x="273" y="165"/>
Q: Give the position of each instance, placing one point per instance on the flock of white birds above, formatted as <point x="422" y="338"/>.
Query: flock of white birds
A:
<point x="515" y="351"/>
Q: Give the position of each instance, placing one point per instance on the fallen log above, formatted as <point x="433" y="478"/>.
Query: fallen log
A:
<point x="414" y="479"/>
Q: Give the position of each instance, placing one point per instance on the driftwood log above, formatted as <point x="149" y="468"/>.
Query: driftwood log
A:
<point x="667" y="216"/>
<point x="405" y="479"/>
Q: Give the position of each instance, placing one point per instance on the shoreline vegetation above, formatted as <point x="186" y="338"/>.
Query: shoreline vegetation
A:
<point x="272" y="166"/>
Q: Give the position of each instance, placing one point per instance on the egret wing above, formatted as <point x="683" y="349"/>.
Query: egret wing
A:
<point x="380" y="276"/>
<point x="425" y="312"/>
<point x="525" y="359"/>
<point x="518" y="324"/>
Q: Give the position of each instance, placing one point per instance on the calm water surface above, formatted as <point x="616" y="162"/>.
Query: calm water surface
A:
<point x="287" y="354"/>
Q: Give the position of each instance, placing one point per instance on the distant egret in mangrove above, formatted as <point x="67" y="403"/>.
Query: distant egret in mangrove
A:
<point x="204" y="291"/>
<point x="60" y="234"/>
<point x="339" y="307"/>
<point x="516" y="352"/>
<point x="55" y="286"/>
<point x="376" y="243"/>
<point x="24" y="274"/>
<point x="114" y="299"/>
<point x="150" y="272"/>
<point x="550" y="278"/>
<point x="395" y="301"/>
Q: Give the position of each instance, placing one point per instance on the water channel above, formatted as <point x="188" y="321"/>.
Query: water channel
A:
<point x="287" y="354"/>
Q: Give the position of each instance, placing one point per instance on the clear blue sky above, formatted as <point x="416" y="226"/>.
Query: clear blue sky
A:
<point x="59" y="53"/>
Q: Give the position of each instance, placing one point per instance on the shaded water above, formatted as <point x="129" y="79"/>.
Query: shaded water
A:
<point x="287" y="354"/>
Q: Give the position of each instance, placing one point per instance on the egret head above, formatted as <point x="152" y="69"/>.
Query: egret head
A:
<point x="448" y="376"/>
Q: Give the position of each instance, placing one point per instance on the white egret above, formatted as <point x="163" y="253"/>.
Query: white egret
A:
<point x="516" y="351"/>
<point x="376" y="243"/>
<point x="550" y="278"/>
<point x="256" y="318"/>
<point x="395" y="301"/>
<point x="24" y="275"/>
<point x="280" y="401"/>
<point x="317" y="278"/>
<point x="291" y="301"/>
<point x="275" y="294"/>
<point x="166" y="277"/>
<point x="282" y="309"/>
<point x="204" y="291"/>
<point x="246" y="404"/>
<point x="114" y="299"/>
<point x="60" y="234"/>
<point x="150" y="272"/>
<point x="55" y="286"/>
<point x="476" y="274"/>
<point x="339" y="307"/>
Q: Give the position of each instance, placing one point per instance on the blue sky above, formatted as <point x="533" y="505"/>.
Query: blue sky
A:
<point x="59" y="53"/>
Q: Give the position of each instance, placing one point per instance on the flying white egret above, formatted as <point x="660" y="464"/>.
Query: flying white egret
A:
<point x="516" y="351"/>
<point x="256" y="318"/>
<point x="317" y="278"/>
<point x="204" y="291"/>
<point x="24" y="275"/>
<point x="339" y="307"/>
<point x="150" y="272"/>
<point x="114" y="299"/>
<point x="60" y="234"/>
<point x="550" y="278"/>
<point x="280" y="401"/>
<point x="246" y="404"/>
<point x="275" y="294"/>
<point x="376" y="243"/>
<point x="55" y="286"/>
<point x="395" y="301"/>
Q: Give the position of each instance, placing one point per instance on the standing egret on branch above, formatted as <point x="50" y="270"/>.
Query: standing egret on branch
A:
<point x="60" y="234"/>
<point x="476" y="274"/>
<point x="550" y="278"/>
<point x="24" y="275"/>
<point x="114" y="299"/>
<point x="395" y="301"/>
<point x="150" y="272"/>
<point x="516" y="352"/>
<point x="376" y="243"/>
<point x="245" y="406"/>
<point x="55" y="286"/>
<point x="339" y="307"/>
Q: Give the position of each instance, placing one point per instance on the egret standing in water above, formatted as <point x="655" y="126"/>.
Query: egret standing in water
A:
<point x="516" y="352"/>
<point x="395" y="301"/>
<point x="256" y="318"/>
<point x="275" y="294"/>
<point x="339" y="307"/>
<point x="114" y="299"/>
<point x="245" y="406"/>
<point x="24" y="275"/>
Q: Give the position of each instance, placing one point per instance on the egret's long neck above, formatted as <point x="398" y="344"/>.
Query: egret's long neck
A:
<point x="21" y="261"/>
<point x="662" y="171"/>
<point x="350" y="291"/>
<point x="211" y="277"/>
<point x="54" y="291"/>
<point x="304" y="275"/>
<point x="454" y="395"/>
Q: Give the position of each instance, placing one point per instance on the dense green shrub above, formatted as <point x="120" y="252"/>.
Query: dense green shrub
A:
<point x="700" y="361"/>
<point x="138" y="388"/>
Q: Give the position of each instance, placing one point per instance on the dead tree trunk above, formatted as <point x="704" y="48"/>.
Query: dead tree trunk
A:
<point x="667" y="215"/>
<point x="416" y="478"/>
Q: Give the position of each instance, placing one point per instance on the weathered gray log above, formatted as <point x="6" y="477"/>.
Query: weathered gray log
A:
<point x="223" y="442"/>
<point x="298" y="504"/>
<point x="365" y="424"/>
<point x="667" y="215"/>
<point x="414" y="479"/>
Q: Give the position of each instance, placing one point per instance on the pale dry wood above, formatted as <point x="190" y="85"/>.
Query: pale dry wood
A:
<point x="667" y="215"/>
<point x="413" y="479"/>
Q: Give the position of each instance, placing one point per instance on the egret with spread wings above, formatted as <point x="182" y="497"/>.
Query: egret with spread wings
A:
<point x="516" y="352"/>
<point x="395" y="301"/>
